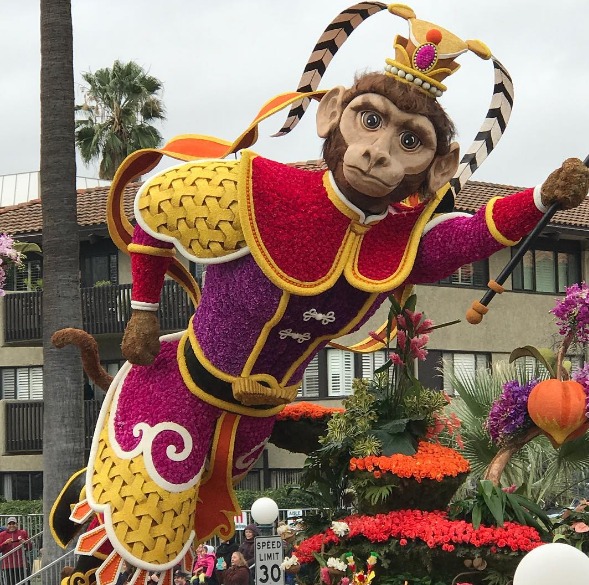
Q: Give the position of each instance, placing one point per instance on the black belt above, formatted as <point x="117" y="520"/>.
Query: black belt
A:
<point x="210" y="384"/>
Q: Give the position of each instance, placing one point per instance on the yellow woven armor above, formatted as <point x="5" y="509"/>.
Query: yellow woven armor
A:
<point x="196" y="205"/>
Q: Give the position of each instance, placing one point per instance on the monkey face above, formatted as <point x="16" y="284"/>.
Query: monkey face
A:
<point x="385" y="145"/>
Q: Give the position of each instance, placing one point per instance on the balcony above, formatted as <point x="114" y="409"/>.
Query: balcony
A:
<point x="105" y="309"/>
<point x="24" y="425"/>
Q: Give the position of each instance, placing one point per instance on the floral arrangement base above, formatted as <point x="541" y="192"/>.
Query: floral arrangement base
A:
<point x="410" y="493"/>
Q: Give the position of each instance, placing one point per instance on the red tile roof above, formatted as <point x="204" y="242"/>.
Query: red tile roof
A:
<point x="25" y="218"/>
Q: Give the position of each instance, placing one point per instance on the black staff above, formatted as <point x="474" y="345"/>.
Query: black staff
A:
<point x="479" y="308"/>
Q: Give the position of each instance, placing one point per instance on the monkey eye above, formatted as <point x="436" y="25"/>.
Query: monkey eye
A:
<point x="371" y="120"/>
<point x="409" y="140"/>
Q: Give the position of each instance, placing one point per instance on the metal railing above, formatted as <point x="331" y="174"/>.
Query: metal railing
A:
<point x="24" y="425"/>
<point x="19" y="558"/>
<point x="105" y="309"/>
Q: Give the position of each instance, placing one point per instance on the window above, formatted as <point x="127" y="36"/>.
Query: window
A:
<point x="340" y="372"/>
<point x="463" y="365"/>
<point x="24" y="383"/>
<point x="27" y="278"/>
<point x="550" y="267"/>
<point x="22" y="486"/>
<point x="93" y="392"/>
<point x="310" y="385"/>
<point x="99" y="262"/>
<point x="475" y="274"/>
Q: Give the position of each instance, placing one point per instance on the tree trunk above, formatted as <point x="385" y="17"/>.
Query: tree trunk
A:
<point x="63" y="432"/>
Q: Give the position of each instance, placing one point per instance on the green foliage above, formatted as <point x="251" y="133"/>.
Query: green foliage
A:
<point x="572" y="527"/>
<point x="285" y="497"/>
<point x="493" y="506"/>
<point x="21" y="507"/>
<point x="115" y="119"/>
<point x="403" y="578"/>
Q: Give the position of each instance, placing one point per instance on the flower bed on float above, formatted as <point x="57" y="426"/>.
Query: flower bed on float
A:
<point x="429" y="542"/>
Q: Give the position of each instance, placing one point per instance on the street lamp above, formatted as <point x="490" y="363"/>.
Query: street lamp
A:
<point x="264" y="512"/>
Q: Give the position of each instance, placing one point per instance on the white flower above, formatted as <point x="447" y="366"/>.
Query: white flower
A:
<point x="289" y="562"/>
<point x="334" y="563"/>
<point x="340" y="529"/>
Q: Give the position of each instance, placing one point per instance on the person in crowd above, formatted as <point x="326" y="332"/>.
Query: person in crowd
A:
<point x="237" y="573"/>
<point x="180" y="578"/>
<point x="14" y="541"/>
<point x="204" y="566"/>
<point x="247" y="549"/>
<point x="125" y="574"/>
<point x="224" y="552"/>
<point x="287" y="534"/>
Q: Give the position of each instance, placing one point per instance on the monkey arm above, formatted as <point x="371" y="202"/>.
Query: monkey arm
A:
<point x="150" y="258"/>
<point x="458" y="239"/>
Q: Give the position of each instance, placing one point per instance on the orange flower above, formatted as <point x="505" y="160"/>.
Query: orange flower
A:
<point x="298" y="410"/>
<point x="432" y="461"/>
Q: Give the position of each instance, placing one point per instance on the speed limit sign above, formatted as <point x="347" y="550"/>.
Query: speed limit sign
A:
<point x="269" y="555"/>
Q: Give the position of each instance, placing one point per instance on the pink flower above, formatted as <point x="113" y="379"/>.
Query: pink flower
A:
<point x="396" y="359"/>
<point x="510" y="490"/>
<point x="345" y="581"/>
<point x="377" y="337"/>
<point x="580" y="527"/>
<point x="401" y="338"/>
<point x="424" y="327"/>
<point x="325" y="578"/>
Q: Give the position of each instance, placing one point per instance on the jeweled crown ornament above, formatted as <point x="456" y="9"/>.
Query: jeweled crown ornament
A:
<point x="426" y="58"/>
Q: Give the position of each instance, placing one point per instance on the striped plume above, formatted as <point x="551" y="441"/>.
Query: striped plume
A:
<point x="490" y="132"/>
<point x="327" y="46"/>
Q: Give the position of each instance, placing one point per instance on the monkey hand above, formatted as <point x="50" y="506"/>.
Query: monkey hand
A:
<point x="567" y="186"/>
<point x="141" y="339"/>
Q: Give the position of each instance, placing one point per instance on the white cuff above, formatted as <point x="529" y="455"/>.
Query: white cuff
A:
<point x="140" y="305"/>
<point x="538" y="199"/>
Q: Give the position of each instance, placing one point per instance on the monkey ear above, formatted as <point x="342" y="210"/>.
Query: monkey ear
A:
<point x="330" y="110"/>
<point x="443" y="168"/>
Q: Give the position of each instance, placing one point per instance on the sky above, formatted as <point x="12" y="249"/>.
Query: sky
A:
<point x="220" y="61"/>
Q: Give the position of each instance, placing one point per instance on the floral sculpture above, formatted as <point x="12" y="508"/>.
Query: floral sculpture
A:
<point x="557" y="406"/>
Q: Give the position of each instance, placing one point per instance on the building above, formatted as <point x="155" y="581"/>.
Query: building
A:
<point x="518" y="317"/>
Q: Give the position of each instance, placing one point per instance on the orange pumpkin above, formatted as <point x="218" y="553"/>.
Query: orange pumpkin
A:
<point x="558" y="408"/>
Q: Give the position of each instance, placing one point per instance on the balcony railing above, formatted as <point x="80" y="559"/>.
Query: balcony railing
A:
<point x="24" y="425"/>
<point x="105" y="309"/>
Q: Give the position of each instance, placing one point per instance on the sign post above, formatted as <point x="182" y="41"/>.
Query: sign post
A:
<point x="269" y="556"/>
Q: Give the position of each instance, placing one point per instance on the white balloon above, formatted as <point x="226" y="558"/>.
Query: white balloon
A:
<point x="264" y="511"/>
<point x="551" y="564"/>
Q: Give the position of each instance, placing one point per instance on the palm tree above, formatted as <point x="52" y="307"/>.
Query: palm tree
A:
<point x="63" y="421"/>
<point x="119" y="105"/>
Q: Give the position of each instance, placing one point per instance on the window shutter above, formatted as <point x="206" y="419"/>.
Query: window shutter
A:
<point x="8" y="384"/>
<point x="340" y="372"/>
<point x="36" y="383"/>
<point x="545" y="271"/>
<point x="372" y="361"/>
<point x="22" y="383"/>
<point x="310" y="386"/>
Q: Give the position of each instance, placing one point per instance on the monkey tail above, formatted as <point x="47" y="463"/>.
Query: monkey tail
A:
<point x="89" y="352"/>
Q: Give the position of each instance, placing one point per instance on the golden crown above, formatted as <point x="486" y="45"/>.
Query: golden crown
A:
<point x="426" y="58"/>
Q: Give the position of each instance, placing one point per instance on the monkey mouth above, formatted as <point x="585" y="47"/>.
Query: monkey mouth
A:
<point x="362" y="177"/>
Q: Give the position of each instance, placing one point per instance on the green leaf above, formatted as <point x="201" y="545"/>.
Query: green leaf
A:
<point x="477" y="514"/>
<point x="495" y="504"/>
<point x="384" y="367"/>
<point x="395" y="306"/>
<point x="394" y="426"/>
<point x="322" y="562"/>
<point x="410" y="303"/>
<point x="402" y="443"/>
<point x="486" y="487"/>
<point x="447" y="324"/>
<point x="516" y="508"/>
<point x="545" y="356"/>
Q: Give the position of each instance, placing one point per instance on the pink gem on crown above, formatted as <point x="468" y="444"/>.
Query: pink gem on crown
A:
<point x="425" y="57"/>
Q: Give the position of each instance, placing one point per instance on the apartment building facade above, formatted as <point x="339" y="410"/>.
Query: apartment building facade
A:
<point x="520" y="316"/>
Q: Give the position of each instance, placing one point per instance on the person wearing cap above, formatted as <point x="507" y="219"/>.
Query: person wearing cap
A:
<point x="180" y="578"/>
<point x="13" y="543"/>
<point x="287" y="534"/>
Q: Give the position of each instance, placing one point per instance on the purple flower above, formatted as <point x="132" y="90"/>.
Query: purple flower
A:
<point x="582" y="376"/>
<point x="572" y="312"/>
<point x="509" y="414"/>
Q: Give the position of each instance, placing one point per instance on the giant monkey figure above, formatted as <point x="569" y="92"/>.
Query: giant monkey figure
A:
<point x="295" y="259"/>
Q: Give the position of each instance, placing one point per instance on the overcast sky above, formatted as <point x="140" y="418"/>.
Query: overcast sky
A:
<point x="220" y="61"/>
